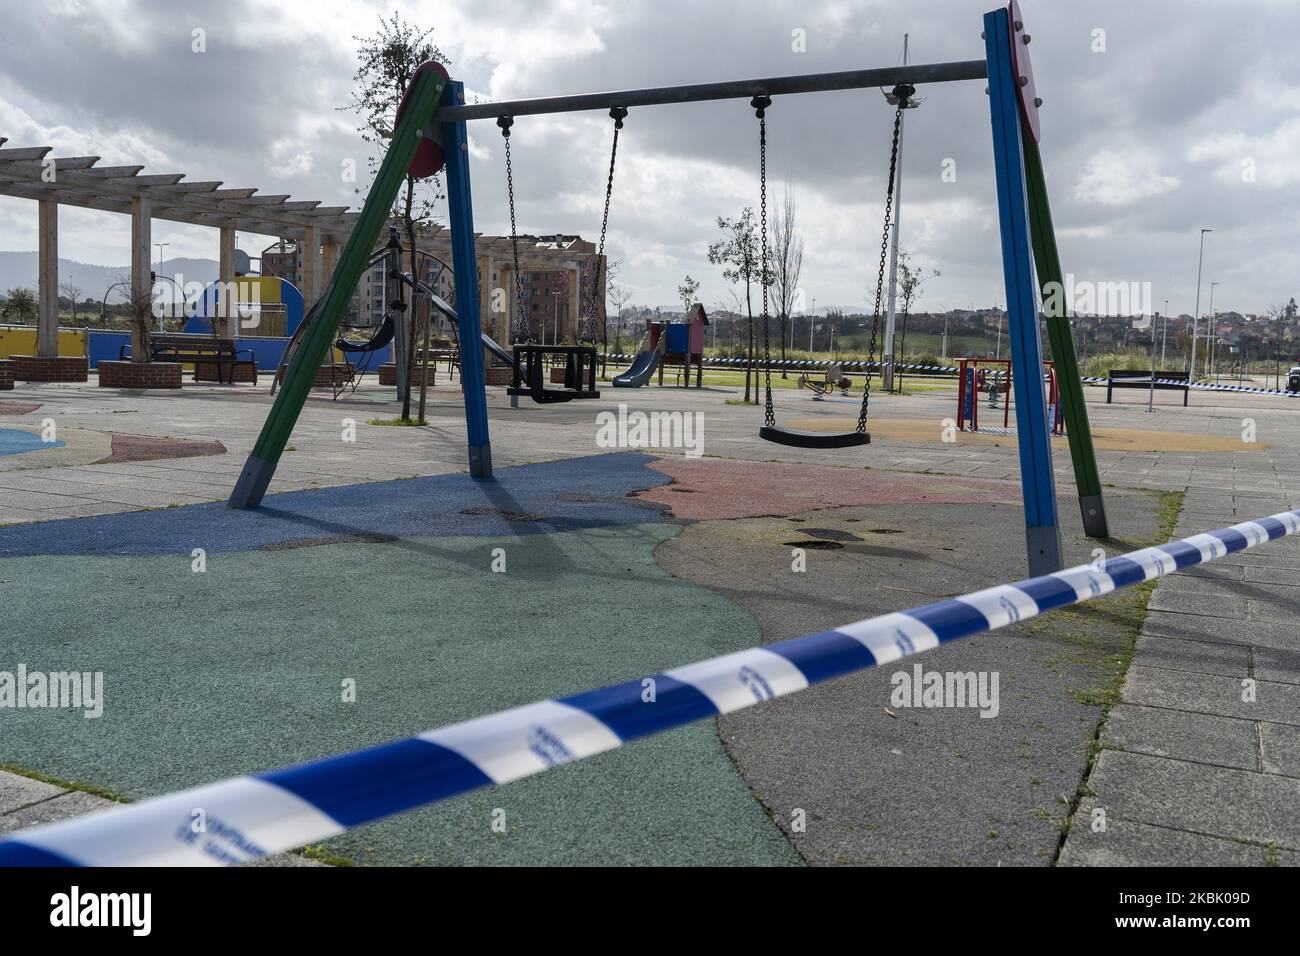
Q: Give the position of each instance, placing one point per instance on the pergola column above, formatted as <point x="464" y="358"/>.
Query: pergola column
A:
<point x="311" y="284"/>
<point x="141" y="281"/>
<point x="329" y="261"/>
<point x="47" y="328"/>
<point x="227" y="299"/>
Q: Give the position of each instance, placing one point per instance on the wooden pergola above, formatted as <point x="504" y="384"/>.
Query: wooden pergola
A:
<point x="33" y="173"/>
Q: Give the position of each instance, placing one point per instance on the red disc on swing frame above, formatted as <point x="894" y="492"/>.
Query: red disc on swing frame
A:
<point x="429" y="157"/>
<point x="1024" y="70"/>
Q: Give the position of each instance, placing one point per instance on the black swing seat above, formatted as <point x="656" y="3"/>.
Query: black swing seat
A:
<point x="802" y="439"/>
<point x="551" y="396"/>
<point x="529" y="368"/>
<point x="381" y="337"/>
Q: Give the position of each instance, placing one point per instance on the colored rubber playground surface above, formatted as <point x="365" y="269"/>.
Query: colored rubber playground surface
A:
<point x="372" y="566"/>
<point x="1103" y="439"/>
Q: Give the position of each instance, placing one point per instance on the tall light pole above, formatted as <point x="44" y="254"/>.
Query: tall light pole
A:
<point x="1191" y="367"/>
<point x="1164" y="335"/>
<point x="1210" y="345"/>
<point x="162" y="325"/>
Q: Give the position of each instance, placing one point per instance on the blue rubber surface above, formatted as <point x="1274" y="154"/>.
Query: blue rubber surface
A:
<point x="567" y="495"/>
<point x="15" y="441"/>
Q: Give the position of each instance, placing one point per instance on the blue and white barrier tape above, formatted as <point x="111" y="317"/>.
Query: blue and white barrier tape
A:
<point x="847" y="365"/>
<point x="1183" y="383"/>
<point x="249" y="817"/>
<point x="857" y="366"/>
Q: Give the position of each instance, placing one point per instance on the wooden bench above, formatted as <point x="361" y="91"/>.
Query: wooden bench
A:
<point x="440" y="354"/>
<point x="199" y="350"/>
<point x="1137" y="378"/>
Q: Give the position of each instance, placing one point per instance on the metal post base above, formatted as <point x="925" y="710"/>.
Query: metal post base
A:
<point x="1044" y="547"/>
<point x="480" y="461"/>
<point x="252" y="483"/>
<point x="1094" y="516"/>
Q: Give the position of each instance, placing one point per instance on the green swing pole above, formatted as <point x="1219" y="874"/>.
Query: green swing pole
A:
<point x="1047" y="262"/>
<point x="422" y="100"/>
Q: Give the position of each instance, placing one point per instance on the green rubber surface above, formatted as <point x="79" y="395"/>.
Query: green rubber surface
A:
<point x="240" y="669"/>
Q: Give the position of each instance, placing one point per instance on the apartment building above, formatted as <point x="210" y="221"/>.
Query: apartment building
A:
<point x="548" y="295"/>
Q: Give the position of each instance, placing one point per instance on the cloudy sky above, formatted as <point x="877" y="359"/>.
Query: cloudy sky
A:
<point x="1160" y="117"/>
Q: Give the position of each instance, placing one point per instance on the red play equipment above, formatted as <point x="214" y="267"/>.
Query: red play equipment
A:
<point x="992" y="378"/>
<point x="685" y="345"/>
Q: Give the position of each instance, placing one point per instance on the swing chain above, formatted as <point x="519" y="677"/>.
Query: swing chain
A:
<point x="760" y="104"/>
<point x="902" y="92"/>
<point x="587" y="332"/>
<point x="521" y="328"/>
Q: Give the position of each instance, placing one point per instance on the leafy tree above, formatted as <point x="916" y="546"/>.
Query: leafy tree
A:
<point x="910" y="280"/>
<point x="739" y="255"/>
<point x="20" y="304"/>
<point x="686" y="292"/>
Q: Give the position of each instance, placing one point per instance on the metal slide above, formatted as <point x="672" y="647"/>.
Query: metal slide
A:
<point x="445" y="308"/>
<point x="643" y="366"/>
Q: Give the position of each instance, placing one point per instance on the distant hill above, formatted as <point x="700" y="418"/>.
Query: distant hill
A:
<point x="19" y="269"/>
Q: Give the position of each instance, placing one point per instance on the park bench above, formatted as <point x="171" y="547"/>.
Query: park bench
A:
<point x="199" y="350"/>
<point x="1139" y="378"/>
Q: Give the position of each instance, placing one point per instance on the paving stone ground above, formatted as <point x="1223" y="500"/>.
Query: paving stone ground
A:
<point x="1189" y="771"/>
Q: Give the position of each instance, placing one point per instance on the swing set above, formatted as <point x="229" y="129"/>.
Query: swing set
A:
<point x="431" y="133"/>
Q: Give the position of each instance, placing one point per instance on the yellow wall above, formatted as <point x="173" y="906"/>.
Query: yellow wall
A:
<point x="21" y="340"/>
<point x="258" y="289"/>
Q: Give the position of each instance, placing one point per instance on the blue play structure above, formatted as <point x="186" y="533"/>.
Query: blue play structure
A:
<point x="261" y="291"/>
<point x="268" y="350"/>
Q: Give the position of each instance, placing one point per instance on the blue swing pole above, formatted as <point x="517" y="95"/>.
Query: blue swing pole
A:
<point x="464" y="264"/>
<point x="1042" y="533"/>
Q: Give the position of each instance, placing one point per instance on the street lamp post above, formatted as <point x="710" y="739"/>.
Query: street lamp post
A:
<point x="1164" y="335"/>
<point x="1212" y="341"/>
<point x="1151" y="389"/>
<point x="1200" y="258"/>
<point x="162" y="326"/>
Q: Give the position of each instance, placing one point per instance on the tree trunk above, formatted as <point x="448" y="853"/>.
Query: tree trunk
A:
<point x="139" y="342"/>
<point x="749" y="365"/>
<point x="785" y="322"/>
<point x="410" y="325"/>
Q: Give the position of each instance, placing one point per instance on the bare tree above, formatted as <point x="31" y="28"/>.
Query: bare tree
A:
<point x="388" y="59"/>
<point x="619" y="295"/>
<point x="612" y="268"/>
<point x="73" y="292"/>
<point x="1278" y="313"/>
<point x="140" y="315"/>
<point x="737" y="309"/>
<point x="787" y="262"/>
